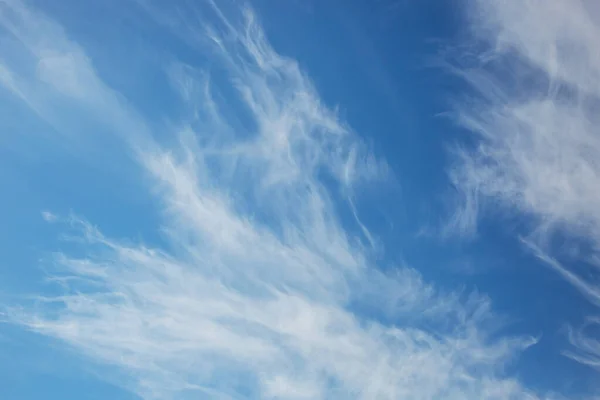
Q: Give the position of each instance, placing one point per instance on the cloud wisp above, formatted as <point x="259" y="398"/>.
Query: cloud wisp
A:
<point x="264" y="291"/>
<point x="536" y="71"/>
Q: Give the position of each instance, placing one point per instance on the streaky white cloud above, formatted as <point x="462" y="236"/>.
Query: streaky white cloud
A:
<point x="55" y="78"/>
<point x="587" y="347"/>
<point x="176" y="325"/>
<point x="37" y="51"/>
<point x="264" y="292"/>
<point x="536" y="71"/>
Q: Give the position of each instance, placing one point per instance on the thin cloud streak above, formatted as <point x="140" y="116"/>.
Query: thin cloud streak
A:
<point x="263" y="290"/>
<point x="536" y="72"/>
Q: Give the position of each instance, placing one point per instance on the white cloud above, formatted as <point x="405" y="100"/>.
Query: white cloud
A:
<point x="49" y="217"/>
<point x="54" y="77"/>
<point x="587" y="347"/>
<point x="264" y="291"/>
<point x="537" y="76"/>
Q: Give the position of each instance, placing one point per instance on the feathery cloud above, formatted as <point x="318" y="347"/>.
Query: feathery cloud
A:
<point x="264" y="291"/>
<point x="536" y="73"/>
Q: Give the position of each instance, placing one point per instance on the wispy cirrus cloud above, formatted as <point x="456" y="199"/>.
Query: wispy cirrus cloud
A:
<point x="264" y="291"/>
<point x="536" y="71"/>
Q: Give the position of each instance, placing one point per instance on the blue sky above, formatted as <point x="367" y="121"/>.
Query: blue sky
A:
<point x="299" y="199"/>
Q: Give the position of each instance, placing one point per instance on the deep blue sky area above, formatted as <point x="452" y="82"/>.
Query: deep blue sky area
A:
<point x="81" y="151"/>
